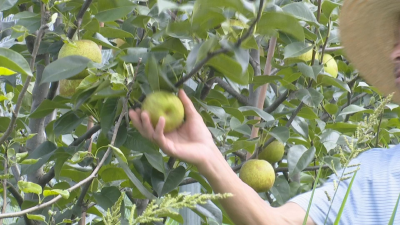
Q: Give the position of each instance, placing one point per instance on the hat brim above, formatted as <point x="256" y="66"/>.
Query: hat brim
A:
<point x="368" y="32"/>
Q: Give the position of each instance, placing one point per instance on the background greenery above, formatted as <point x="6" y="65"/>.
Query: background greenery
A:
<point x="217" y="51"/>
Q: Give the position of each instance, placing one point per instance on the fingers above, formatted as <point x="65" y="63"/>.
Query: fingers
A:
<point x="190" y="110"/>
<point x="158" y="134"/>
<point x="135" y="117"/>
<point x="148" y="129"/>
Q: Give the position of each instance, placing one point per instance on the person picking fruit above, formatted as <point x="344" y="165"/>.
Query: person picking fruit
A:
<point x="370" y="34"/>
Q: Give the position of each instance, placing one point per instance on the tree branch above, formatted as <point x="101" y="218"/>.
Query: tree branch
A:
<point x="78" y="21"/>
<point x="26" y="85"/>
<point x="278" y="101"/>
<point x="243" y="100"/>
<point x="208" y="85"/>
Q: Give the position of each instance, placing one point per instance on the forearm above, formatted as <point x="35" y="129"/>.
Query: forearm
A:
<point x="246" y="207"/>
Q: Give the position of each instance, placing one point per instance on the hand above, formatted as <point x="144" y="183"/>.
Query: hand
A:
<point x="191" y="142"/>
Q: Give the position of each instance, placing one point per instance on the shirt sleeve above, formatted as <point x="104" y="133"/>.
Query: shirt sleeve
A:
<point x="325" y="203"/>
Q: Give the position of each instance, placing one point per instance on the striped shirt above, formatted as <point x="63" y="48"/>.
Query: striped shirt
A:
<point x="372" y="197"/>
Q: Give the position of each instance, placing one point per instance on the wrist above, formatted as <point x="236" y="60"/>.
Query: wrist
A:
<point x="213" y="164"/>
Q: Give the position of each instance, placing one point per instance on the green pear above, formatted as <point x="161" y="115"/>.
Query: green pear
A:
<point x="330" y="65"/>
<point x="68" y="87"/>
<point x="85" y="48"/>
<point x="167" y="105"/>
<point x="258" y="174"/>
<point x="273" y="152"/>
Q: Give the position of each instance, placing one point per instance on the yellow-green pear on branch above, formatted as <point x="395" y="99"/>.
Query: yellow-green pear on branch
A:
<point x="85" y="48"/>
<point x="167" y="105"/>
<point x="330" y="65"/>
<point x="273" y="152"/>
<point x="305" y="57"/>
<point x="258" y="174"/>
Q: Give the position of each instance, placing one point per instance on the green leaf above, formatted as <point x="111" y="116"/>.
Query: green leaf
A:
<point x="107" y="197"/>
<point x="47" y="107"/>
<point x="345" y="200"/>
<point x="271" y="21"/>
<point x="329" y="80"/>
<point x="152" y="72"/>
<point x="308" y="113"/>
<point x="229" y="68"/>
<point x="296" y="49"/>
<point x="235" y="113"/>
<point x="201" y="180"/>
<point x="254" y="111"/>
<point x="6" y="72"/>
<point x="7" y="4"/>
<point x="67" y="123"/>
<point x="156" y="161"/>
<point x="64" y="68"/>
<point x="248" y="145"/>
<point x="135" y="180"/>
<point x="171" y="44"/>
<point x="174" y="178"/>
<point x="14" y="61"/>
<point x="113" y="10"/>
<point x="300" y="11"/>
<point x="299" y="158"/>
<point x="111" y="173"/>
<point x="36" y="217"/>
<point x="114" y="33"/>
<point x="331" y="108"/>
<point x="282" y="134"/>
<point x="310" y="97"/>
<point x="210" y="211"/>
<point x="63" y="193"/>
<point x="328" y="7"/>
<point x="43" y="152"/>
<point x="391" y="221"/>
<point x="352" y="109"/>
<point x="107" y="113"/>
<point x="281" y="190"/>
<point x="118" y="153"/>
<point x="29" y="187"/>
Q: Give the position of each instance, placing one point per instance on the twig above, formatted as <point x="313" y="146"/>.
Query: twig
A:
<point x="278" y="101"/>
<point x="26" y="85"/>
<point x="316" y="29"/>
<point x="326" y="41"/>
<point x="78" y="21"/>
<point x="332" y="49"/>
<point x="251" y="28"/>
<point x="200" y="65"/>
<point x="53" y="90"/>
<point x="208" y="85"/>
<point x="243" y="100"/>
<point x="330" y="116"/>
<point x="326" y="116"/>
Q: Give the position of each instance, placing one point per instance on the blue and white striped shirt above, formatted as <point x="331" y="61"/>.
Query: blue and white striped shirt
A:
<point x="372" y="197"/>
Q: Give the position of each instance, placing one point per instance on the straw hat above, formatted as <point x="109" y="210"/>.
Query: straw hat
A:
<point x="368" y="32"/>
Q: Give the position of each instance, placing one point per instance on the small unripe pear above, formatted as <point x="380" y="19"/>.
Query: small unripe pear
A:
<point x="273" y="152"/>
